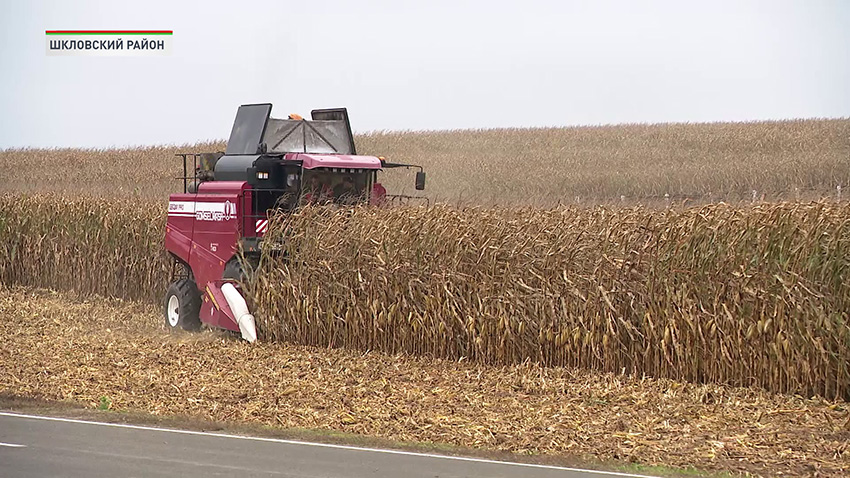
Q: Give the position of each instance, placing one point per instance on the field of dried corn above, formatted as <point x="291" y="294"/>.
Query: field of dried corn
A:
<point x="752" y="294"/>
<point x="746" y="296"/>
<point x="779" y="160"/>
<point x="742" y="295"/>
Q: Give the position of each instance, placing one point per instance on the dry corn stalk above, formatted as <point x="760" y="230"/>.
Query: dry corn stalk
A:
<point x="754" y="295"/>
<point x="745" y="296"/>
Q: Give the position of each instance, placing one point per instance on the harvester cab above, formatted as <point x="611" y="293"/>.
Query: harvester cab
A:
<point x="215" y="228"/>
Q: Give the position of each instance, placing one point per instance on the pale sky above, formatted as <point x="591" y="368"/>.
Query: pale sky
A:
<point x="420" y="65"/>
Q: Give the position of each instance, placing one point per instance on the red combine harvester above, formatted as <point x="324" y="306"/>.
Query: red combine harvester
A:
<point x="215" y="228"/>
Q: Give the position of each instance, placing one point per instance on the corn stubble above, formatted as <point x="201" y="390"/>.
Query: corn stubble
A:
<point x="57" y="348"/>
<point x="752" y="296"/>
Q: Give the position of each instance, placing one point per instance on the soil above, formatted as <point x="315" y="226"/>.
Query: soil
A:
<point x="59" y="353"/>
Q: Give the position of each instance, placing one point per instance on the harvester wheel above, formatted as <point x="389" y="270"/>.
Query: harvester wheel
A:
<point x="241" y="270"/>
<point x="183" y="305"/>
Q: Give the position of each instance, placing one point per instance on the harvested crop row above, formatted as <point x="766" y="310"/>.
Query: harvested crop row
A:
<point x="117" y="353"/>
<point x="754" y="296"/>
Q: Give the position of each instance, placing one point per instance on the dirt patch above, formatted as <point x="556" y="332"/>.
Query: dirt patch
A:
<point x="116" y="355"/>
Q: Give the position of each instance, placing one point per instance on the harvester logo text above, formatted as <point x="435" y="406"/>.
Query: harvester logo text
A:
<point x="203" y="211"/>
<point x="215" y="211"/>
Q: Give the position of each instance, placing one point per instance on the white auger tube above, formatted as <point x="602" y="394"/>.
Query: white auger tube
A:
<point x="240" y="311"/>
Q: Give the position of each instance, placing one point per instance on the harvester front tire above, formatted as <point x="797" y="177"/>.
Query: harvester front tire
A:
<point x="182" y="306"/>
<point x="241" y="270"/>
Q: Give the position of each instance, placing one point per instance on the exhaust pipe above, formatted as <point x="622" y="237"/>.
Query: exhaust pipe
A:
<point x="240" y="311"/>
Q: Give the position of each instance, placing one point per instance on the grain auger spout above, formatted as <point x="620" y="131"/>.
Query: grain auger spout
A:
<point x="243" y="318"/>
<point x="215" y="228"/>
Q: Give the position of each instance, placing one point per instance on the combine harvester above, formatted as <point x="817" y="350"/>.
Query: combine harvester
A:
<point x="215" y="228"/>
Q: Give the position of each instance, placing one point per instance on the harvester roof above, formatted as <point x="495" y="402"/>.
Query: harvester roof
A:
<point x="256" y="132"/>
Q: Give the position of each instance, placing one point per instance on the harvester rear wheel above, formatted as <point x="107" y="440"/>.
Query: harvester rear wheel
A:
<point x="182" y="306"/>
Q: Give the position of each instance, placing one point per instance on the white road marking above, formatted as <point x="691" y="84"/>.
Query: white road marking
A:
<point x="323" y="445"/>
<point x="12" y="445"/>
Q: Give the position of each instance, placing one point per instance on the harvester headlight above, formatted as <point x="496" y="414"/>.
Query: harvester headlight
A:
<point x="261" y="175"/>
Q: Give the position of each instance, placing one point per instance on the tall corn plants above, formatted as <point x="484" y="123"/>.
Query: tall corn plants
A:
<point x="85" y="244"/>
<point x="752" y="296"/>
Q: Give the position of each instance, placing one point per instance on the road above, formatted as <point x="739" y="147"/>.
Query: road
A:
<point x="34" y="446"/>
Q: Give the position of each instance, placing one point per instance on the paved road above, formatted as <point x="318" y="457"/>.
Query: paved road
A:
<point x="33" y="446"/>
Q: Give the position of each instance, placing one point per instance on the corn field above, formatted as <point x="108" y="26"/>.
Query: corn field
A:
<point x="85" y="244"/>
<point x="742" y="295"/>
<point x="702" y="163"/>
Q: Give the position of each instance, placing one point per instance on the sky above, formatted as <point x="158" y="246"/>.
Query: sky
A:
<point x="423" y="65"/>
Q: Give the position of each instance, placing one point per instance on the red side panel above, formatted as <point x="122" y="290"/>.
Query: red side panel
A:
<point x="218" y="228"/>
<point x="180" y="224"/>
<point x="204" y="230"/>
